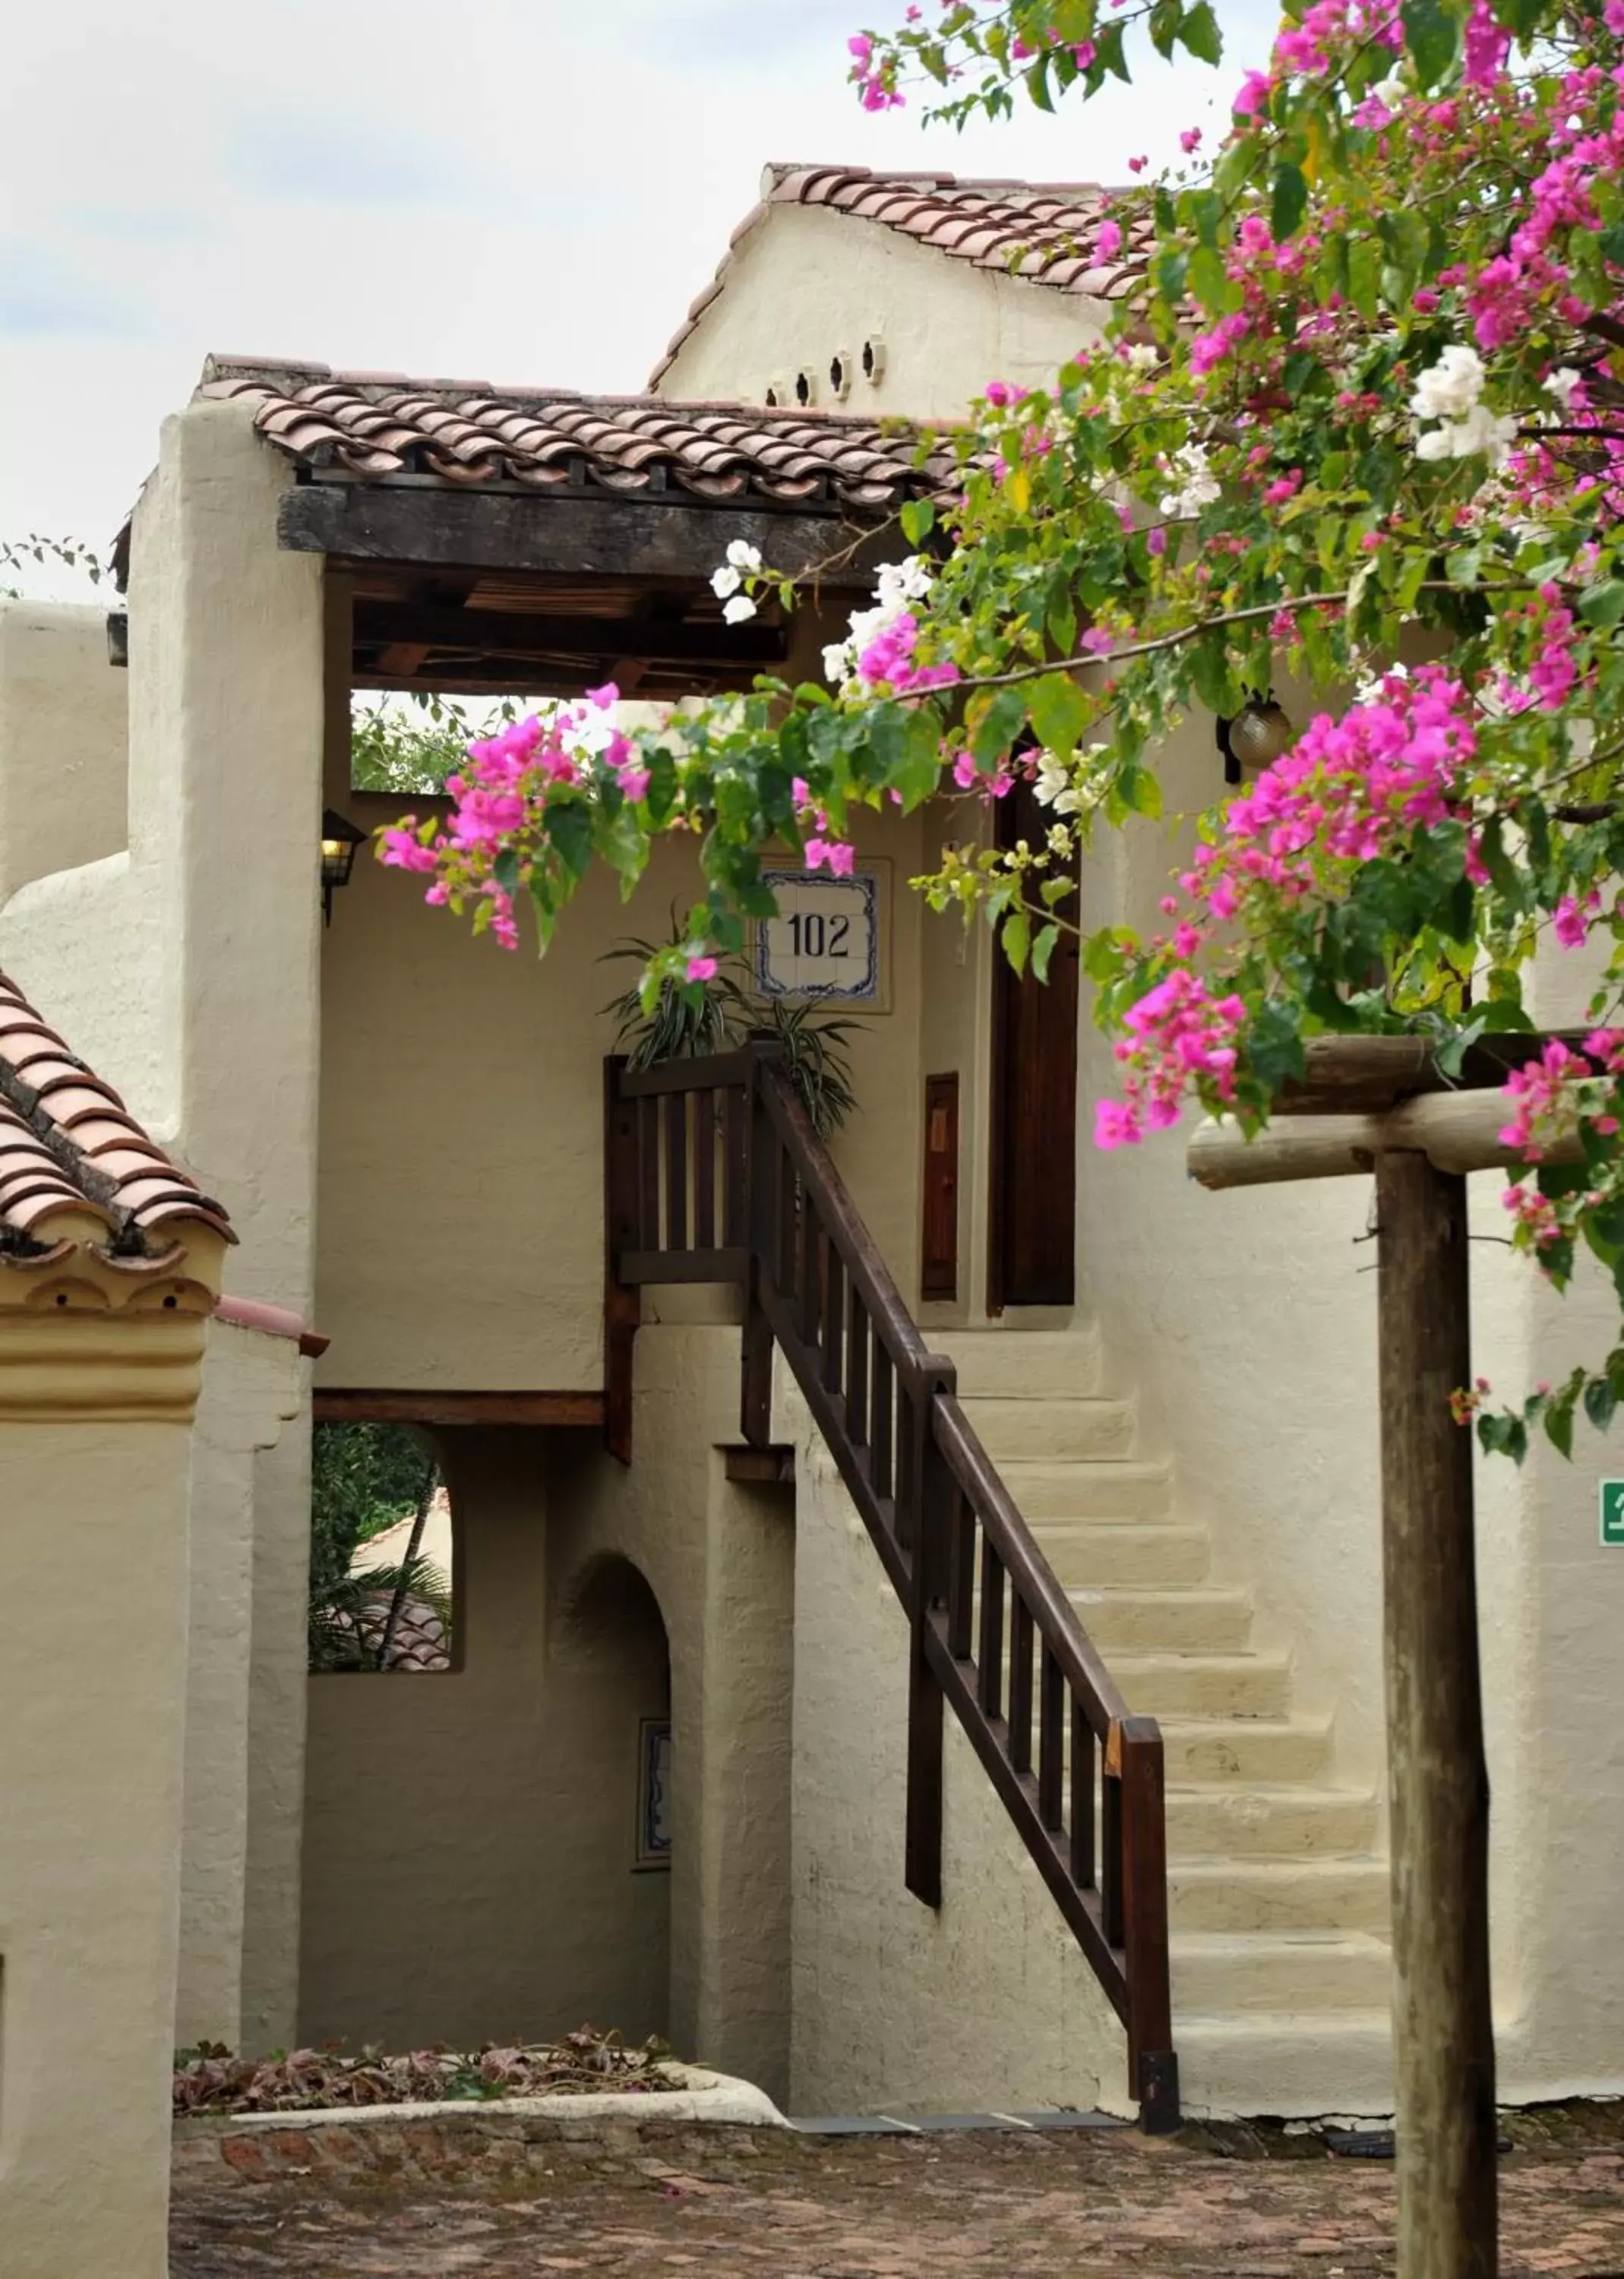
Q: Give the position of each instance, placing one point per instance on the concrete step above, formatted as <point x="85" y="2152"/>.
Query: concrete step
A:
<point x="1291" y="2063"/>
<point x="1087" y="1554"/>
<point x="1224" y="1973"/>
<point x="1191" y="1622"/>
<point x="1072" y="1430"/>
<point x="1288" y="1822"/>
<point x="1199" y="1685"/>
<point x="1245" y="1749"/>
<point x="1023" y="1365"/>
<point x="1106" y="1488"/>
<point x="1264" y="1895"/>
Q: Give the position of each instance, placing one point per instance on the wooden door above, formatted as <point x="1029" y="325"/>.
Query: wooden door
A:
<point x="1032" y="1204"/>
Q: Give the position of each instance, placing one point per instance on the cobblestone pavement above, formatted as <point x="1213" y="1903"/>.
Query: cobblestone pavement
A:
<point x="762" y="2205"/>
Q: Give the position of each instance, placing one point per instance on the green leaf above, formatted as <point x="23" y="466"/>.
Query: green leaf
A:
<point x="1432" y="33"/>
<point x="1017" y="939"/>
<point x="998" y="726"/>
<point x="1365" y="276"/>
<point x="1211" y="282"/>
<point x="1600" y="1401"/>
<point x="1603" y="604"/>
<point x="1201" y="34"/>
<point x="917" y="519"/>
<point x="1290" y="200"/>
<point x="1060" y="712"/>
<point x="1559" y="1427"/>
<point x="505" y="870"/>
<point x="569" y="826"/>
<point x="1042" y="950"/>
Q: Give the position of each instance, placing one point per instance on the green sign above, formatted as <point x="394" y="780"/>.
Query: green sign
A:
<point x="1612" y="1512"/>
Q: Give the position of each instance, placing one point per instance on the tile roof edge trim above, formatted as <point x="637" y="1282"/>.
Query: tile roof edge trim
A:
<point x="270" y="1322"/>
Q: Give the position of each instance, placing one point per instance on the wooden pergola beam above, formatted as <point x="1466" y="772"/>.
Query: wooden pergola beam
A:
<point x="573" y="536"/>
<point x="1457" y="1132"/>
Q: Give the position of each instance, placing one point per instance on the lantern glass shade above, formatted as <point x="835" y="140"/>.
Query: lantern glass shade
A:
<point x="1259" y="733"/>
<point x="340" y="841"/>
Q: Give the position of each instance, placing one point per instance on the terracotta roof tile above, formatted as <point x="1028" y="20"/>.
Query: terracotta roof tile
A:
<point x="1040" y="231"/>
<point x="470" y="433"/>
<point x="67" y="1141"/>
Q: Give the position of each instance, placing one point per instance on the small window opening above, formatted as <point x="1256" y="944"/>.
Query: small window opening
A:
<point x="805" y="387"/>
<point x="773" y="399"/>
<point x="381" y="1568"/>
<point x="840" y="374"/>
<point x="874" y="359"/>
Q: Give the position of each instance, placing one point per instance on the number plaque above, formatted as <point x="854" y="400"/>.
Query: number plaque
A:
<point x="824" y="944"/>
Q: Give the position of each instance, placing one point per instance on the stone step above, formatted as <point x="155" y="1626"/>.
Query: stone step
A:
<point x="1192" y="1622"/>
<point x="1023" y="1365"/>
<point x="1106" y="1488"/>
<point x="1254" y="1895"/>
<point x="1085" y="1553"/>
<point x="1290" y="1821"/>
<point x="1199" y="1685"/>
<point x="1072" y="1431"/>
<point x="1245" y="1748"/>
<point x="1231" y="1973"/>
<point x="1296" y="2064"/>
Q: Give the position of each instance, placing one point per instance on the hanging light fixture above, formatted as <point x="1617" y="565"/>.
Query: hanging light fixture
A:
<point x="339" y="840"/>
<point x="1259" y="733"/>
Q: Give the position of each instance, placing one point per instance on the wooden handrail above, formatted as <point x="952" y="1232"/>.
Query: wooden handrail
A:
<point x="713" y="1171"/>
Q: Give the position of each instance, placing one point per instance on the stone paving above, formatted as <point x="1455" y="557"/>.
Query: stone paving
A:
<point x="738" y="2204"/>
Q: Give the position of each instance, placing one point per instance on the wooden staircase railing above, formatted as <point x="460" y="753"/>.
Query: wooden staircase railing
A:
<point x="712" y="1173"/>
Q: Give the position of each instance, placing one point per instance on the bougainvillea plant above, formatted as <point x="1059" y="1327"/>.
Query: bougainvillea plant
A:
<point x="1362" y="426"/>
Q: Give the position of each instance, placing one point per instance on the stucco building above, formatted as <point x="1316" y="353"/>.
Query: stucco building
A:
<point x="1177" y="1390"/>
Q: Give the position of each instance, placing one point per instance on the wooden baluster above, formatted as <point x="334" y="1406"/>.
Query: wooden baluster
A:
<point x="755" y="1180"/>
<point x="834" y="1320"/>
<point x="989" y="1666"/>
<point x="1111" y="1844"/>
<point x="857" y="1365"/>
<point x="676" y="1171"/>
<point x="1021" y="1687"/>
<point x="1152" y="2065"/>
<point x="904" y="1478"/>
<point x="621" y="1301"/>
<point x="932" y="1497"/>
<point x="1082" y="1799"/>
<point x="810" y="1285"/>
<point x="648" y="1173"/>
<point x="881" y="1442"/>
<point x="735" y="1214"/>
<point x="705" y="1106"/>
<point x="789" y="1220"/>
<point x="961" y="1575"/>
<point x="1051" y="1742"/>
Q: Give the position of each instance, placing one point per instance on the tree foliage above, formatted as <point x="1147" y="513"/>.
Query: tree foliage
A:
<point x="1358" y="421"/>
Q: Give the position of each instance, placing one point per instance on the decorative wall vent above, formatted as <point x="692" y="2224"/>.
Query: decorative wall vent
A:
<point x="874" y="359"/>
<point x="805" y="386"/>
<point x="840" y="375"/>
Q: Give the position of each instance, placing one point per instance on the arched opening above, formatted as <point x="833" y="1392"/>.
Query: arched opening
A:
<point x="613" y="1652"/>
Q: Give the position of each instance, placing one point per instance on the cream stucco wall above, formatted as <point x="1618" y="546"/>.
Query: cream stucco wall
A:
<point x="62" y="742"/>
<point x="469" y="1835"/>
<point x="462" y="1091"/>
<point x="807" y="282"/>
<point x="184" y="968"/>
<point x="92" y="1704"/>
<point x="1244" y="1325"/>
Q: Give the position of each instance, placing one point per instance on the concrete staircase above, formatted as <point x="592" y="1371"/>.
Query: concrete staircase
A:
<point x="1277" y="1894"/>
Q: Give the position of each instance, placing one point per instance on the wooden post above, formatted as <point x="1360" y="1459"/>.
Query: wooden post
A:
<point x="763" y="1240"/>
<point x="623" y="1306"/>
<point x="1442" y="2025"/>
<point x="930" y="1489"/>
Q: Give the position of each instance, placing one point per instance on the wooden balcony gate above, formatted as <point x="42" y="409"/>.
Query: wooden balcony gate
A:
<point x="712" y="1173"/>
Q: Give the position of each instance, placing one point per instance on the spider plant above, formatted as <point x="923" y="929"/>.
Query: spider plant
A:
<point x="682" y="1025"/>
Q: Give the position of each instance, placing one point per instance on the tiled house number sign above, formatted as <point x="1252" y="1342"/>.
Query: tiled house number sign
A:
<point x="825" y="941"/>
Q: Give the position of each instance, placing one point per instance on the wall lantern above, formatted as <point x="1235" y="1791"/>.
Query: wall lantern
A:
<point x="340" y="840"/>
<point x="1258" y="735"/>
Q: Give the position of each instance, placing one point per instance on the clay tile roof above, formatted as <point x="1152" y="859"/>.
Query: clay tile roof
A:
<point x="67" y="1141"/>
<point x="470" y="433"/>
<point x="1040" y="231"/>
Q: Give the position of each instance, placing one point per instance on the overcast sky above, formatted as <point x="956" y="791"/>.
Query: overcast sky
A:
<point x="501" y="189"/>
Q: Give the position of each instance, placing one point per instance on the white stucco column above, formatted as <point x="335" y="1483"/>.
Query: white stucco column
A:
<point x="96" y="1406"/>
<point x="227" y="702"/>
